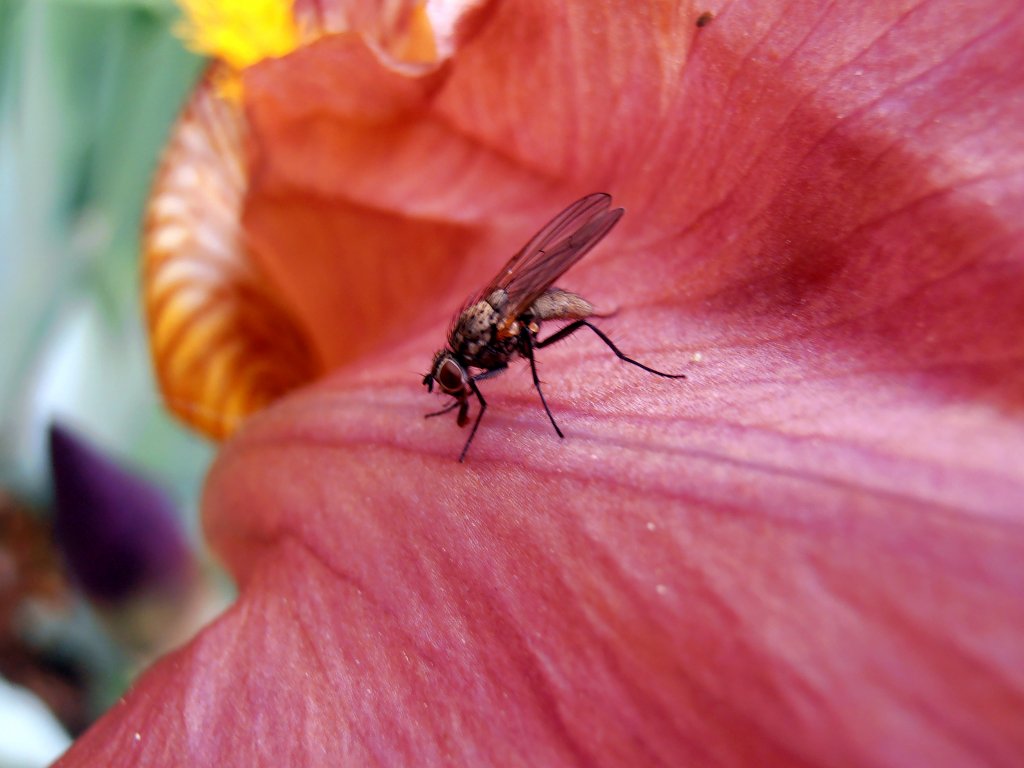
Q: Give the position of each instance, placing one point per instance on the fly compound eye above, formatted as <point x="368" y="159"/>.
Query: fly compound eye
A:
<point x="451" y="377"/>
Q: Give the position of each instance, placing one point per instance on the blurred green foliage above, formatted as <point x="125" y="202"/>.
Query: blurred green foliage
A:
<point x="88" y="92"/>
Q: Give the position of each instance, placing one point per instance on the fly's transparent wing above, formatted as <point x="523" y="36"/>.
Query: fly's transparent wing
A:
<point x="537" y="275"/>
<point x="568" y="221"/>
<point x="561" y="243"/>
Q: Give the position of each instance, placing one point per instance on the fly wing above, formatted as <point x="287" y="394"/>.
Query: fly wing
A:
<point x="551" y="252"/>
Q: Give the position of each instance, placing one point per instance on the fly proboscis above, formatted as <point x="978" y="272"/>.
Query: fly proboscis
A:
<point x="503" y="321"/>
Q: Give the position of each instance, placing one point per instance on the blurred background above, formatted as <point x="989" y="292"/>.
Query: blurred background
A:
<point x="101" y="565"/>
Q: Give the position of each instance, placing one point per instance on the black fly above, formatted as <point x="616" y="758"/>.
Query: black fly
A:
<point x="504" y="319"/>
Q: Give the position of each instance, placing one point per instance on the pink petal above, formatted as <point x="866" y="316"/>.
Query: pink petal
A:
<point x="810" y="552"/>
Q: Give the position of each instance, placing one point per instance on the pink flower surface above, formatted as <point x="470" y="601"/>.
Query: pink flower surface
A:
<point x="809" y="552"/>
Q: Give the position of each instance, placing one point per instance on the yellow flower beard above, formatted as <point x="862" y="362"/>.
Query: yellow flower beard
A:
<point x="238" y="33"/>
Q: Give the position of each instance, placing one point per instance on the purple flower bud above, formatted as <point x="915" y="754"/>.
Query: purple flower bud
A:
<point x="119" y="534"/>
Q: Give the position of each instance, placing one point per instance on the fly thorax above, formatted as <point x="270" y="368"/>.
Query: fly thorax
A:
<point x="475" y="328"/>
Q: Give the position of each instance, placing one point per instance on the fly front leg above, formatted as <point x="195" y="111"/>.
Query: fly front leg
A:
<point x="447" y="409"/>
<point x="479" y="415"/>
<point x="527" y="348"/>
<point x="491" y="373"/>
<point x="462" y="418"/>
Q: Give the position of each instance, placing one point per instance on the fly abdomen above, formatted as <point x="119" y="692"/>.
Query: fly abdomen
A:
<point x="557" y="304"/>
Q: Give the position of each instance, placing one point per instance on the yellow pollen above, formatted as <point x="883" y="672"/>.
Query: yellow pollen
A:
<point x="239" y="32"/>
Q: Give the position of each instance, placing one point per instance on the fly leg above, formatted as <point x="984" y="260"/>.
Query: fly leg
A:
<point x="571" y="328"/>
<point x="450" y="407"/>
<point x="527" y="347"/>
<point x="491" y="373"/>
<point x="455" y="403"/>
<point x="479" y="415"/>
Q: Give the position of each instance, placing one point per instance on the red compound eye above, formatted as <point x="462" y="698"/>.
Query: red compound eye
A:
<point x="451" y="377"/>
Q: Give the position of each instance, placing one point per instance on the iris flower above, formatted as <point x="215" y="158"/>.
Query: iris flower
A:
<point x="811" y="551"/>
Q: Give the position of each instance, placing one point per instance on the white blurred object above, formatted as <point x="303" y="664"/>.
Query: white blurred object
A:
<point x="31" y="737"/>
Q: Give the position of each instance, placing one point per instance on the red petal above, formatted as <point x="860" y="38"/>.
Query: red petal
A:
<point x="810" y="552"/>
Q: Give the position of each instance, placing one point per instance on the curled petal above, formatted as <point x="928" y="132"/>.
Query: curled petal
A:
<point x="411" y="36"/>
<point x="223" y="344"/>
<point x="227" y="335"/>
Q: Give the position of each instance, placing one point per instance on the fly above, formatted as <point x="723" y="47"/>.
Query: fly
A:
<point x="503" y="320"/>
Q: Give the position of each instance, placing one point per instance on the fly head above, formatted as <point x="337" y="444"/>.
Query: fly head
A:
<point x="450" y="375"/>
